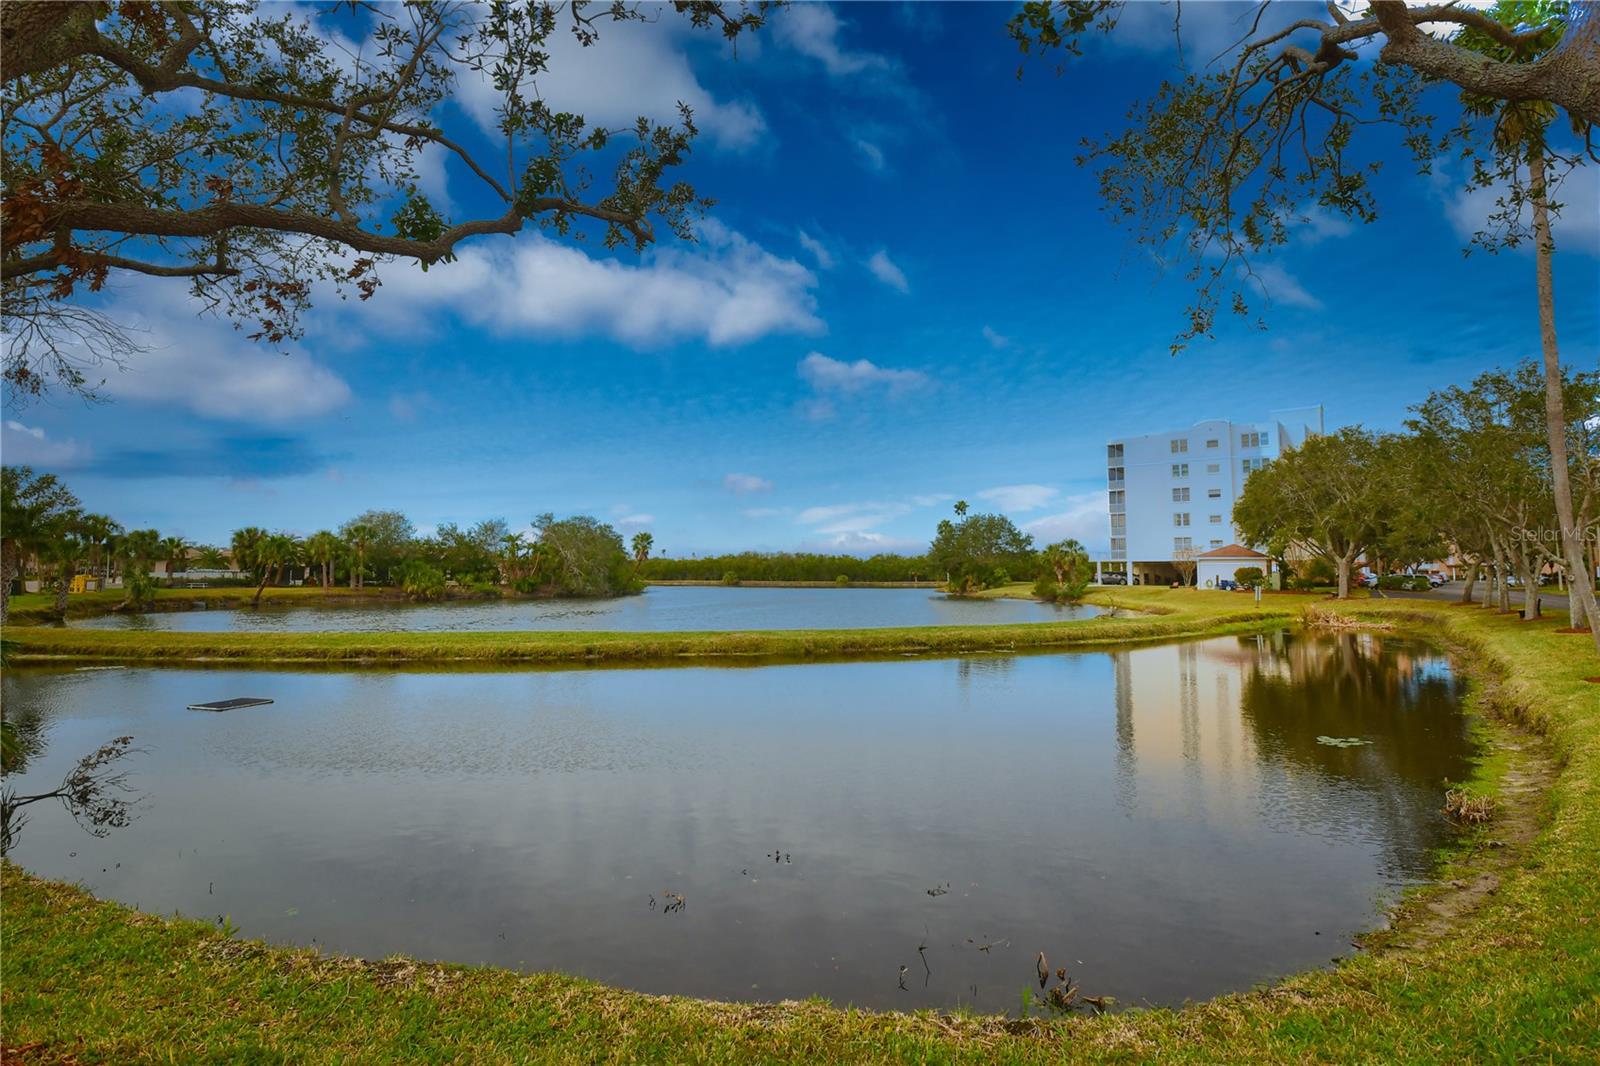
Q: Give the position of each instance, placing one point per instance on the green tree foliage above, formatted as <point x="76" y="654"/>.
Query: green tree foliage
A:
<point x="979" y="551"/>
<point x="31" y="505"/>
<point x="253" y="150"/>
<point x="386" y="539"/>
<point x="1324" y="497"/>
<point x="789" y="566"/>
<point x="1487" y="461"/>
<point x="587" y="557"/>
<point x="1250" y="577"/>
<point x="420" y="581"/>
<point x="1065" y="573"/>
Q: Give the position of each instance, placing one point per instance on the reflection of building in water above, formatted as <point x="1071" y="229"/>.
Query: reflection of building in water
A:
<point x="1214" y="725"/>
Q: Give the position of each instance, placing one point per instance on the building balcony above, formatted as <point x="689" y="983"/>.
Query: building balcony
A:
<point x="1117" y="484"/>
<point x="1119" y="554"/>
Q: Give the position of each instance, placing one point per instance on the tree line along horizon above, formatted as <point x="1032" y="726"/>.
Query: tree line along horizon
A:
<point x="1470" y="475"/>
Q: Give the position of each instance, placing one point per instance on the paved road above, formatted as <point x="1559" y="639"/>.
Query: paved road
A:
<point x="1551" y="600"/>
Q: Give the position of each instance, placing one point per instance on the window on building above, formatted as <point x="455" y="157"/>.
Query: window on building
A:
<point x="1180" y="495"/>
<point x="1213" y="468"/>
<point x="1216" y="519"/>
<point x="1249" y="466"/>
<point x="1250" y="440"/>
<point x="1114" y="453"/>
<point x="1180" y="446"/>
<point x="1180" y="469"/>
<point x="1216" y="543"/>
<point x="1213" y="494"/>
<point x="1119" y="544"/>
<point x="1180" y="518"/>
<point x="1119" y="500"/>
<point x="1183" y="544"/>
<point x="1119" y="523"/>
<point x="1116" y="473"/>
<point x="1211" y="443"/>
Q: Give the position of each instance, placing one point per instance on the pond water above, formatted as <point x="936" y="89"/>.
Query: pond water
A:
<point x="660" y="608"/>
<point x="1164" y="821"/>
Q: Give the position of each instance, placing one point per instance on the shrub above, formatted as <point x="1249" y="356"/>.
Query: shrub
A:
<point x="1409" y="582"/>
<point x="1249" y="576"/>
<point x="842" y="579"/>
<point x="419" y="581"/>
<point x="1001" y="576"/>
<point x="1045" y="588"/>
<point x="730" y="578"/>
<point x="138" y="589"/>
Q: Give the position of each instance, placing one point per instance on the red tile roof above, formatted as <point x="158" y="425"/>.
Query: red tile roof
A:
<point x="1232" y="551"/>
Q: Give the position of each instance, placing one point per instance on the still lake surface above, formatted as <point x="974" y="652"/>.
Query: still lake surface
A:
<point x="1162" y="821"/>
<point x="661" y="608"/>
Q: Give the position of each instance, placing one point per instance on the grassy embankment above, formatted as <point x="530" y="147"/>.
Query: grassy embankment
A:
<point x="30" y="608"/>
<point x="1515" y="978"/>
<point x="1161" y="614"/>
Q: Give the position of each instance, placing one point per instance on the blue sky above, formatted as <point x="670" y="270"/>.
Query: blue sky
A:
<point x="906" y="294"/>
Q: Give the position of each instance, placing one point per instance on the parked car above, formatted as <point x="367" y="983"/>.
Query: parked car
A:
<point x="1435" y="580"/>
<point x="1227" y="584"/>
<point x="1115" y="578"/>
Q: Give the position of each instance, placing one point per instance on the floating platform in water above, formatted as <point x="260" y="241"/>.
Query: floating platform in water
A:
<point x="229" y="705"/>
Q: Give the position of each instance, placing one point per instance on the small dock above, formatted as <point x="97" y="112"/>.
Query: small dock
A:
<point x="229" y="705"/>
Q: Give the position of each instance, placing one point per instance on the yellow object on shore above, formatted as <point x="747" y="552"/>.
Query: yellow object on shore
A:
<point x="85" y="583"/>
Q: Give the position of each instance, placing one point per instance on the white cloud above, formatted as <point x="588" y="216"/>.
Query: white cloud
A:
<point x="744" y="484"/>
<point x="837" y="376"/>
<point x="1281" y="287"/>
<point x="1316" y="224"/>
<point x="812" y="29"/>
<point x="884" y="269"/>
<point x="818" y="250"/>
<point x="405" y="406"/>
<point x="995" y="338"/>
<point x="858" y="517"/>
<point x="1019" y="497"/>
<point x="864" y="544"/>
<point x="764" y="512"/>
<point x="634" y="521"/>
<point x="725" y="290"/>
<point x="1086" y="519"/>
<point x="871" y="153"/>
<point x="31" y="446"/>
<point x="853" y="517"/>
<point x="201" y="362"/>
<point x="1575" y="227"/>
<point x="633" y="69"/>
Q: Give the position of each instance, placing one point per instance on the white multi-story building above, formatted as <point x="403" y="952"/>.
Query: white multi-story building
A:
<point x="1172" y="494"/>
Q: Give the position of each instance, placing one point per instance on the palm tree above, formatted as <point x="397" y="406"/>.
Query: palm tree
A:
<point x="140" y="548"/>
<point x="247" y="548"/>
<point x="275" y="553"/>
<point x="642" y="543"/>
<point x="101" y="532"/>
<point x="961" y="507"/>
<point x="211" y="557"/>
<point x="61" y="554"/>
<point x="175" y="553"/>
<point x="29" y="504"/>
<point x="358" y="538"/>
<point x="322" y="548"/>
<point x="1519" y="133"/>
<point x="512" y="546"/>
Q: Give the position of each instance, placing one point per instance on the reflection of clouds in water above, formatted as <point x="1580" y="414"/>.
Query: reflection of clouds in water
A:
<point x="530" y="729"/>
<point x="1165" y="810"/>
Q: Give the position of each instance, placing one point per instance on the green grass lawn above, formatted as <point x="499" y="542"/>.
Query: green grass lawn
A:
<point x="1515" y="979"/>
